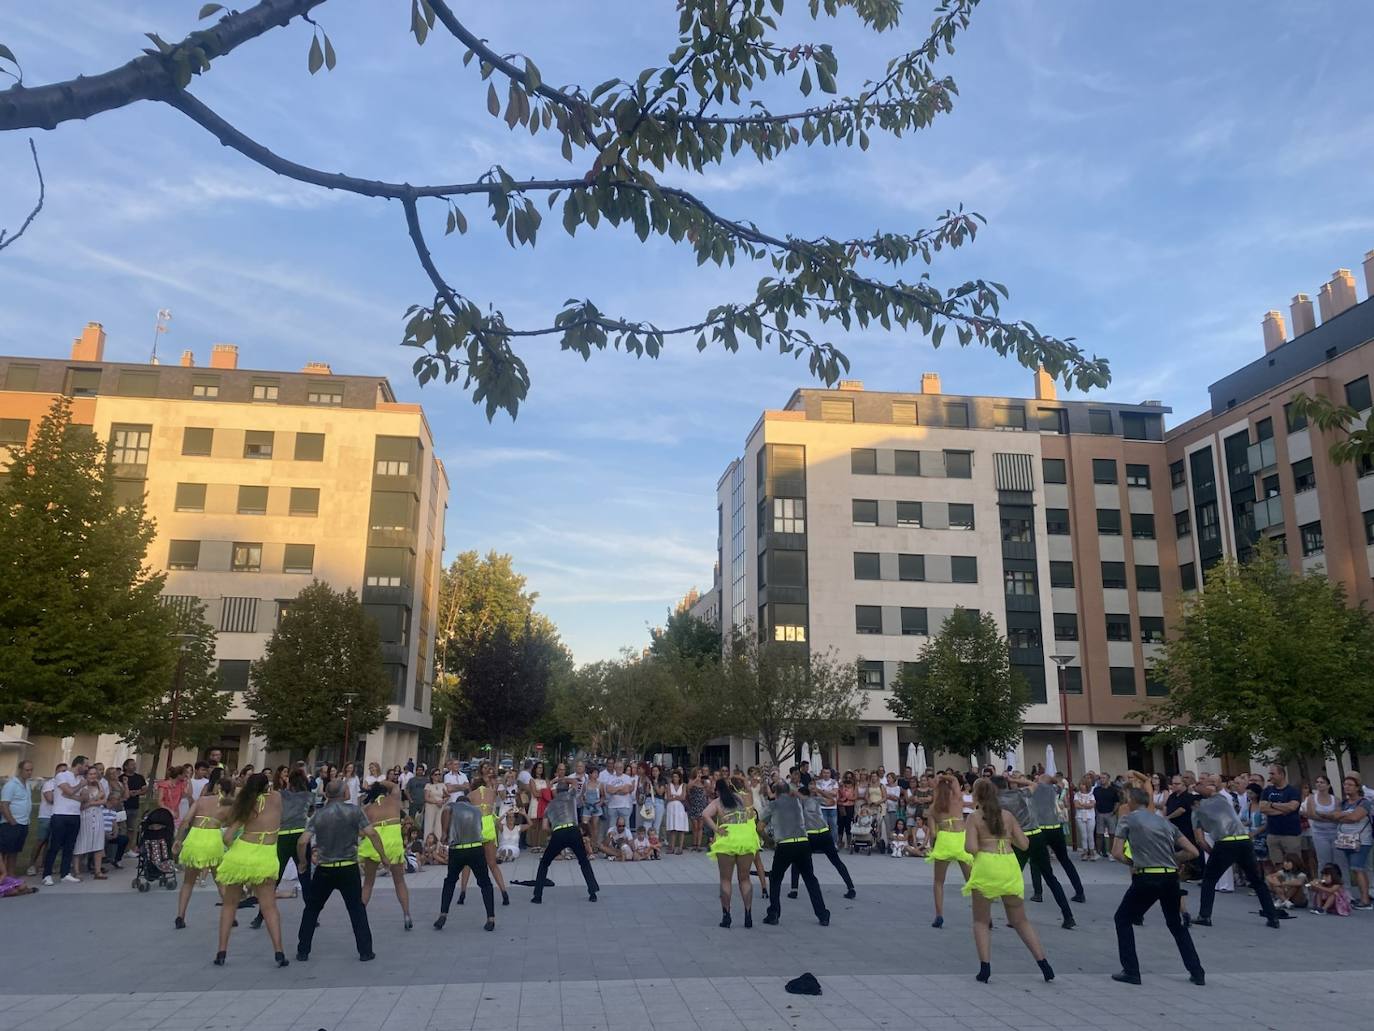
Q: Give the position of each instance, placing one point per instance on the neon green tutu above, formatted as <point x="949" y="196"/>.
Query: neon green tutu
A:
<point x="995" y="875"/>
<point x="949" y="847"/>
<point x="248" y="863"/>
<point x="488" y="828"/>
<point x="735" y="839"/>
<point x="202" y="848"/>
<point x="391" y="841"/>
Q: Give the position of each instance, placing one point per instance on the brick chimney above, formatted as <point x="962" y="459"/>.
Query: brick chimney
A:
<point x="1044" y="385"/>
<point x="318" y="369"/>
<point x="1275" y="334"/>
<point x="930" y="382"/>
<point x="224" y="356"/>
<point x="1342" y="291"/>
<point x="1369" y="273"/>
<point x="90" y="345"/>
<point x="188" y="359"/>
<point x="1303" y="319"/>
<point x="1324" y="304"/>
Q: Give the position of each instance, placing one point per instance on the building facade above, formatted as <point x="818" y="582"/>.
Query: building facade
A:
<point x="259" y="482"/>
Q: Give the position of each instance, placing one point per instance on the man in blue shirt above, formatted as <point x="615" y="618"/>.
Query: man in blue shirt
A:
<point x="16" y="803"/>
<point x="1279" y="802"/>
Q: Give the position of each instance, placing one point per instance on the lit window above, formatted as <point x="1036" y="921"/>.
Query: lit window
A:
<point x="789" y="515"/>
<point x="247" y="558"/>
<point x="392" y="467"/>
<point x="129" y="445"/>
<point x="1019" y="581"/>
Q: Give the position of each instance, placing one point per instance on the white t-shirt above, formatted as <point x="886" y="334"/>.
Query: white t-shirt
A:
<point x="621" y="800"/>
<point x="44" y="806"/>
<point x="510" y="838"/>
<point x="523" y="778"/>
<point x="455" y="780"/>
<point x="891" y="792"/>
<point x="830" y="787"/>
<point x="197" y="786"/>
<point x="61" y="804"/>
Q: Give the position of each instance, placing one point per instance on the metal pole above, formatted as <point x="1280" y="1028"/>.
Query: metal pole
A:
<point x="176" y="705"/>
<point x="1068" y="758"/>
<point x="348" y="720"/>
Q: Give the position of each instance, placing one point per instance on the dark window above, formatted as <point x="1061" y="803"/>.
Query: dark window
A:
<point x="871" y="675"/>
<point x="246" y="558"/>
<point x="1016" y="529"/>
<point x="1369" y="527"/>
<point x="904" y="412"/>
<point x="1122" y="679"/>
<point x="865" y="513"/>
<point x="305" y="501"/>
<point x="1109" y="521"/>
<point x="83" y="382"/>
<point x="257" y="444"/>
<point x="788" y="567"/>
<point x="1187" y="575"/>
<point x="956" y="413"/>
<point x="14" y="431"/>
<point x="961" y="517"/>
<point x="908" y="513"/>
<point x="1061" y="574"/>
<point x="1054" y="420"/>
<point x="252" y="501"/>
<point x="911" y="567"/>
<point x="1104" y="470"/>
<point x="183" y="555"/>
<point x="906" y="463"/>
<point x="1208" y="527"/>
<point x="1100" y="421"/>
<point x="1147" y="578"/>
<point x="1183" y="524"/>
<point x="1118" y="627"/>
<point x="1054" y="471"/>
<point x="1312" y="542"/>
<point x="866" y="566"/>
<point x="1136" y="426"/>
<point x="1018" y="581"/>
<point x="1270" y="485"/>
<point x="1304" y="478"/>
<point x="391" y="510"/>
<point x="868" y="619"/>
<point x="21" y="377"/>
<point x="838" y="409"/>
<point x="914" y="622"/>
<point x="1357" y="394"/>
<point x="959" y="465"/>
<point x="1152" y="629"/>
<point x="1113" y="575"/>
<point x="1154" y="687"/>
<point x="233" y="674"/>
<point x="1137" y="475"/>
<point x="128" y="493"/>
<point x="1073" y="679"/>
<point x="1057" y="521"/>
<point x="327" y="393"/>
<point x="205" y="388"/>
<point x="1009" y="417"/>
<point x="298" y="558"/>
<point x="1066" y="626"/>
<point x="964" y="569"/>
<point x="1264" y="429"/>
<point x="190" y="497"/>
<point x="309" y="447"/>
<point x="388" y="567"/>
<point x="1023" y="638"/>
<point x="197" y="440"/>
<point x="1142" y="526"/>
<point x="1364" y="466"/>
<point x="1177" y="475"/>
<point x="142" y="383"/>
<point x="1295" y="420"/>
<point x="863" y="460"/>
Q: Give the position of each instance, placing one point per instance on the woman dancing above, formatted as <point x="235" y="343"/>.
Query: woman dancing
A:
<point x="731" y="820"/>
<point x="947" y="821"/>
<point x="485" y="796"/>
<point x="382" y="802"/>
<point x="991" y="835"/>
<point x="251" y="861"/>
<point x="199" y="844"/>
<point x="295" y="808"/>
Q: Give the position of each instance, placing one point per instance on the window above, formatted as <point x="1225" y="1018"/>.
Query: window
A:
<point x="197" y="440"/>
<point x="239" y="616"/>
<point x="1183" y="525"/>
<point x="190" y="497"/>
<point x="1100" y="421"/>
<point x="1018" y="581"/>
<point x="1137" y="475"/>
<point x="1369" y="526"/>
<point x="128" y="493"/>
<point x="257" y="444"/>
<point x="264" y="390"/>
<point x="911" y="567"/>
<point x="961" y="517"/>
<point x="324" y="394"/>
<point x="868" y="619"/>
<point x="1152" y="629"/>
<point x="1264" y="429"/>
<point x="252" y="500"/>
<point x="1154" y="687"/>
<point x="309" y="447"/>
<point x="389" y="567"/>
<point x="1136" y="425"/>
<point x="1016" y="529"/>
<point x="21" y="377"/>
<point x="840" y="409"/>
<point x="1295" y="420"/>
<point x="1304" y="477"/>
<point x="1066" y="626"/>
<point x="233" y="674"/>
<point x="1364" y="466"/>
<point x="863" y="460"/>
<point x="1061" y="574"/>
<point x="909" y="513"/>
<point x="1357" y="394"/>
<point x="1142" y="526"/>
<point x="298" y="558"/>
<point x="1147" y="578"/>
<point x="904" y="412"/>
<point x="871" y="675"/>
<point x="789" y="623"/>
<point x="1054" y="420"/>
<point x="1208" y="527"/>
<point x="1054" y="471"/>
<point x="391" y="510"/>
<point x="246" y="558"/>
<point x="1122" y="679"/>
<point x="866" y="566"/>
<point x="956" y="414"/>
<point x="959" y="465"/>
<point x="1118" y="627"/>
<point x="1312" y="543"/>
<point x="1073" y="679"/>
<point x="305" y="501"/>
<point x="1009" y="417"/>
<point x="1113" y="575"/>
<point x="392" y="467"/>
<point x="1187" y="575"/>
<point x="906" y="463"/>
<point x="1109" y="521"/>
<point x="183" y="555"/>
<point x="143" y="383"/>
<point x="83" y="382"/>
<point x="789" y="515"/>
<point x="1057" y="521"/>
<point x="1023" y="638"/>
<point x="129" y="445"/>
<point x="787" y="567"/>
<point x="1177" y="474"/>
<point x="14" y="431"/>
<point x="865" y="513"/>
<point x="915" y="622"/>
<point x="1104" y="470"/>
<point x="205" y="388"/>
<point x="964" y="569"/>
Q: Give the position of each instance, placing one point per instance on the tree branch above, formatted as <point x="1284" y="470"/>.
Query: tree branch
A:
<point x="6" y="241"/>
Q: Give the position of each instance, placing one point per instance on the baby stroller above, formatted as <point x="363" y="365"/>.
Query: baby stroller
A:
<point x="863" y="834"/>
<point x="155" y="851"/>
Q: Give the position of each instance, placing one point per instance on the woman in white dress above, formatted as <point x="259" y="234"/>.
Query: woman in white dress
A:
<point x="374" y="774"/>
<point x="534" y="811"/>
<point x="350" y="776"/>
<point x="675" y="817"/>
<point x="90" y="840"/>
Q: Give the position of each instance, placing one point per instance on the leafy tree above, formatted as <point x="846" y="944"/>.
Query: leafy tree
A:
<point x="505" y="686"/>
<point x="84" y="642"/>
<point x="961" y="695"/>
<point x="1354" y="437"/>
<point x="618" y="706"/>
<point x="707" y="104"/>
<point x="1268" y="663"/>
<point x="322" y="669"/>
<point x="684" y="636"/>
<point x="200" y="702"/>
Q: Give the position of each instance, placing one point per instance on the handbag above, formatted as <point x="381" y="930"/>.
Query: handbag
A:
<point x="646" y="811"/>
<point x="1349" y="840"/>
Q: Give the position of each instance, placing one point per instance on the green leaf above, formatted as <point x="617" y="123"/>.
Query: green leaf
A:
<point x="532" y="78"/>
<point x="824" y="78"/>
<point x="493" y="101"/>
<point x="8" y="54"/>
<point x="316" y="55"/>
<point x="209" y="9"/>
<point x="329" y="58"/>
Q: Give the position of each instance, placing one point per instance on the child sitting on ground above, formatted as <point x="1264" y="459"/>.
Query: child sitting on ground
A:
<point x="920" y="839"/>
<point x="508" y="843"/>
<point x="435" y="853"/>
<point x="641" y="842"/>
<point x="1329" y="894"/>
<point x="1287" y="885"/>
<point x="654" y="845"/>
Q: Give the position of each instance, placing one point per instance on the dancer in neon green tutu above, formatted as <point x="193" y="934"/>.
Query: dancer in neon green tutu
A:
<point x="382" y="802"/>
<point x="947" y="820"/>
<point x="250" y="863"/>
<point x="199" y="843"/>
<point x="484" y="796"/>
<point x="734" y="825"/>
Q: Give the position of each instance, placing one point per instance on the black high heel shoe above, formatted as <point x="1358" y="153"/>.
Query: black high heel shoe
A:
<point x="219" y="958"/>
<point x="281" y="959"/>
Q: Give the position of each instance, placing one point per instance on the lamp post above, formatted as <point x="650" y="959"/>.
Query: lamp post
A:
<point x="1060" y="662"/>
<point x="183" y="641"/>
<point x="348" y="721"/>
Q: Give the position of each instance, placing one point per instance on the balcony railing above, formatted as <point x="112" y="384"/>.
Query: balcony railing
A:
<point x="1268" y="513"/>
<point x="1262" y="456"/>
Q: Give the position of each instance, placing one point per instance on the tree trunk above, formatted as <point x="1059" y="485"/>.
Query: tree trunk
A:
<point x="443" y="746"/>
<point x="157" y="757"/>
<point x="1340" y="766"/>
<point x="1302" y="768"/>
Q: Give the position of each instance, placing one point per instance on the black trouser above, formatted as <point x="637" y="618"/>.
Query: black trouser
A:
<point x="1240" y="852"/>
<point x="1053" y="840"/>
<point x="62" y="834"/>
<point x="1145" y="890"/>
<point x="797" y="855"/>
<point x="564" y="838"/>
<point x="474" y="858"/>
<point x="1038" y="856"/>
<point x="348" y="882"/>
<point x="844" y="821"/>
<point x="824" y="844"/>
<point x="116" y="847"/>
<point x="286" y="851"/>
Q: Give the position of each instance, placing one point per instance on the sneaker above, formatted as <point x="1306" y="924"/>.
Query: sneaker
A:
<point x="71" y="879"/>
<point x="1361" y="905"/>
<point x="47" y="882"/>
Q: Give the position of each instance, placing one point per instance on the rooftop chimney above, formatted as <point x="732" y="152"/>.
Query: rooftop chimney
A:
<point x="1303" y="319"/>
<point x="90" y="345"/>
<point x="224" y="356"/>
<point x="845" y="384"/>
<point x="1275" y="334"/>
<point x="930" y="382"/>
<point x="323" y="369"/>
<point x="188" y="359"/>
<point x="1324" y="303"/>
<point x="1369" y="273"/>
<point x="1342" y="291"/>
<point x="1044" y="385"/>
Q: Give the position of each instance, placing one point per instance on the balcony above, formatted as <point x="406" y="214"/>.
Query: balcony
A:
<point x="1262" y="456"/>
<point x="1268" y="514"/>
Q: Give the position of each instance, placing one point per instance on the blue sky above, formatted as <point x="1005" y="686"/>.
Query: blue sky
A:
<point x="1153" y="185"/>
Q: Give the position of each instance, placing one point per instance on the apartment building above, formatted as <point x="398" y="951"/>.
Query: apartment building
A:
<point x="260" y="481"/>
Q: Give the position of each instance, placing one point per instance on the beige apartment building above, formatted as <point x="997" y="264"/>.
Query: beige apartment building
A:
<point x="260" y="481"/>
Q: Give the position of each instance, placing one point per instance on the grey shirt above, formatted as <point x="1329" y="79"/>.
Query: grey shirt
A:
<point x="1216" y="817"/>
<point x="464" y="823"/>
<point x="787" y="818"/>
<point x="1014" y="802"/>
<point x="1151" y="838"/>
<point x="335" y="829"/>
<point x="1044" y="800"/>
<point x="562" y="809"/>
<point x="294" y="805"/>
<point x="812" y="816"/>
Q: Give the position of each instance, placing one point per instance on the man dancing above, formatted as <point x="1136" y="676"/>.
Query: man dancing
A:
<point x="335" y="830"/>
<point x="561" y="814"/>
<point x="1015" y="800"/>
<point x="1044" y="806"/>
<point x="822" y="841"/>
<point x="791" y="848"/>
<point x="1231" y="846"/>
<point x="461" y="825"/>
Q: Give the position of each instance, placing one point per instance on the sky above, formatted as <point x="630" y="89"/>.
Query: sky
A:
<point x="1154" y="177"/>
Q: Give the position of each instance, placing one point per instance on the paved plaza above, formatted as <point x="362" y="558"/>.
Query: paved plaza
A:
<point x="648" y="955"/>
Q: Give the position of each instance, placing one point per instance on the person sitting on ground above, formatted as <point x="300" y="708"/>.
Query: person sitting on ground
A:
<point x="1329" y="894"/>
<point x="435" y="854"/>
<point x="655" y="846"/>
<point x="919" y="836"/>
<point x="618" y="844"/>
<point x="898" y="841"/>
<point x="508" y="844"/>
<point x="1288" y="884"/>
<point x="641" y="844"/>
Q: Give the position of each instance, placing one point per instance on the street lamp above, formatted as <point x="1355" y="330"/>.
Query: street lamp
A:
<point x="183" y="645"/>
<point x="348" y="697"/>
<point x="1060" y="662"/>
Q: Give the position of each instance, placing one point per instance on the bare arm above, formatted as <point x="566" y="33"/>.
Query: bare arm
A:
<point x="710" y="811"/>
<point x="1185" y="849"/>
<point x="303" y="849"/>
